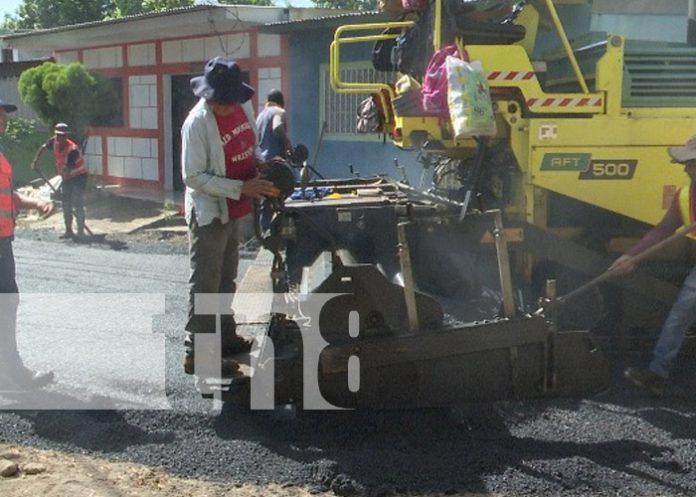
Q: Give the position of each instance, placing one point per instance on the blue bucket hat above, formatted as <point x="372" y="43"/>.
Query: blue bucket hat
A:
<point x="222" y="82"/>
<point x="8" y="107"/>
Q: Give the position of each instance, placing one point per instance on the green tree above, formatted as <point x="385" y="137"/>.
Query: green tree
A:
<point x="43" y="14"/>
<point x="21" y="140"/>
<point x="124" y="8"/>
<point x="68" y="93"/>
<point x="346" y="4"/>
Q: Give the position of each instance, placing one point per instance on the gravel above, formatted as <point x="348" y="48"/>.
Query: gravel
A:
<point x="621" y="442"/>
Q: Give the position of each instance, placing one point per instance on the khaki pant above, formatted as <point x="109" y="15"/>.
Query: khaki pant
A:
<point x="214" y="257"/>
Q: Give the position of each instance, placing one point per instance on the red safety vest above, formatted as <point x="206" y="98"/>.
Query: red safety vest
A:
<point x="61" y="157"/>
<point x="7" y="207"/>
<point x="686" y="207"/>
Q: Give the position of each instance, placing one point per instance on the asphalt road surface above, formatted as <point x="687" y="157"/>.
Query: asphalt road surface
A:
<point x="618" y="443"/>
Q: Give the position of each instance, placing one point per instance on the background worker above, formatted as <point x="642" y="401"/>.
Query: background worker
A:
<point x="273" y="128"/>
<point x="683" y="313"/>
<point x="71" y="166"/>
<point x="13" y="372"/>
<point x="220" y="170"/>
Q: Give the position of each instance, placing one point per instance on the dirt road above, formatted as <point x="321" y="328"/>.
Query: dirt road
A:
<point x="54" y="474"/>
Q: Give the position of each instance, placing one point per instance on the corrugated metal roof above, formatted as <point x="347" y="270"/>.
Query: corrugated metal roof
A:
<point x="199" y="20"/>
<point x="107" y="22"/>
<point x="323" y="22"/>
<point x="196" y="8"/>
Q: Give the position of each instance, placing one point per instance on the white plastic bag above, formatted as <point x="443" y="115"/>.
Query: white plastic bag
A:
<point x="469" y="99"/>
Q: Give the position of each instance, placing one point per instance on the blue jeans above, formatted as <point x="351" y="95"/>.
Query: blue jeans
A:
<point x="681" y="317"/>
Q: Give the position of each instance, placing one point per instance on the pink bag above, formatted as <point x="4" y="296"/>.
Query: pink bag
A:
<point x="434" y="90"/>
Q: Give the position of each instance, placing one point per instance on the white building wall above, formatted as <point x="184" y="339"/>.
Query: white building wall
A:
<point x="103" y="58"/>
<point x="192" y="50"/>
<point x="142" y="98"/>
<point x="93" y="155"/>
<point x="67" y="57"/>
<point x="133" y="158"/>
<point x="234" y="45"/>
<point x="269" y="78"/>
<point x="141" y="55"/>
<point x="268" y="45"/>
<point x="24" y="55"/>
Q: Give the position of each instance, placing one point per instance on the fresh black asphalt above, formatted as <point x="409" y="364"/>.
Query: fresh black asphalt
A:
<point x="618" y="443"/>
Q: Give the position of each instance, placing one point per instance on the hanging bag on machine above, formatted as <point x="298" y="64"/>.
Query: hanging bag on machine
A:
<point x="434" y="91"/>
<point x="382" y="51"/>
<point x="369" y="119"/>
<point x="469" y="99"/>
<point x="413" y="47"/>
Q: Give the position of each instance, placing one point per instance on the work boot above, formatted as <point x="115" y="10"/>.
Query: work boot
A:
<point x="647" y="380"/>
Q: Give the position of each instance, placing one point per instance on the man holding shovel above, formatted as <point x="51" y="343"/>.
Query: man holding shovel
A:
<point x="71" y="166"/>
<point x="682" y="212"/>
<point x="13" y="373"/>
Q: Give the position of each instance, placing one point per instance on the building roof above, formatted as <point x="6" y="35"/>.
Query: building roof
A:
<point x="175" y="23"/>
<point x="327" y="21"/>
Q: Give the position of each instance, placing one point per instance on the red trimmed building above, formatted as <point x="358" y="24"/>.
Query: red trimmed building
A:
<point x="151" y="58"/>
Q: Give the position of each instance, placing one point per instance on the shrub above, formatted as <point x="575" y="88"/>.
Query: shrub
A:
<point x="21" y="141"/>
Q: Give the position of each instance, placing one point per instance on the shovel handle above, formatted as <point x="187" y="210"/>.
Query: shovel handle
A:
<point x="43" y="177"/>
<point x="681" y="232"/>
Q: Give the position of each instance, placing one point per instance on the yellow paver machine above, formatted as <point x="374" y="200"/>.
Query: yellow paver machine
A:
<point x="435" y="294"/>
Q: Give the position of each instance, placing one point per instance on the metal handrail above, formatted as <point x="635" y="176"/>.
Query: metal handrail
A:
<point x="335" y="56"/>
<point x="566" y="46"/>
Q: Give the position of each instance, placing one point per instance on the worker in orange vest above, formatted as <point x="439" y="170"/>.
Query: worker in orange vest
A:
<point x="13" y="373"/>
<point x="682" y="316"/>
<point x="71" y="166"/>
